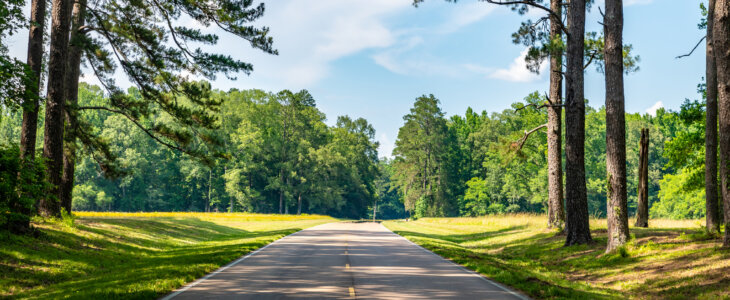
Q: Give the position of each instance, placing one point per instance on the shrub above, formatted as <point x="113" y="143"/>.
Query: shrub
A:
<point x="20" y="185"/>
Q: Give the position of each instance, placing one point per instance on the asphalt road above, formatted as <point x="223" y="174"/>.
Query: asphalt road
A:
<point x="343" y="261"/>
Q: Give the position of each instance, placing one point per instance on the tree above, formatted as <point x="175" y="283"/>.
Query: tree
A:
<point x="617" y="213"/>
<point x="32" y="94"/>
<point x="132" y="34"/>
<point x="642" y="206"/>
<point x="72" y="96"/>
<point x="53" y="131"/>
<point x="577" y="225"/>
<point x="422" y="162"/>
<point x="721" y="45"/>
<point x="712" y="211"/>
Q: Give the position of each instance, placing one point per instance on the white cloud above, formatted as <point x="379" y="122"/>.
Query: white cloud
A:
<point x="652" y="110"/>
<point x="466" y="14"/>
<point x="311" y="35"/>
<point x="517" y="71"/>
<point x="386" y="146"/>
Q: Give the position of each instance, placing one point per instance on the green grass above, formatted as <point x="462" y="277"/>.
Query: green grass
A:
<point x="670" y="260"/>
<point x="132" y="255"/>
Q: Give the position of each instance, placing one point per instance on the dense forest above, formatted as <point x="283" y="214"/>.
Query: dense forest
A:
<point x="493" y="163"/>
<point x="277" y="147"/>
<point x="276" y="156"/>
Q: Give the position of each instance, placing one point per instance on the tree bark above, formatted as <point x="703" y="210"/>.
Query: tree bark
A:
<point x="53" y="131"/>
<point x="642" y="207"/>
<point x="72" y="96"/>
<point x="577" y="223"/>
<point x="556" y="211"/>
<point x="617" y="211"/>
<point x="712" y="216"/>
<point x="35" y="62"/>
<point x="721" y="43"/>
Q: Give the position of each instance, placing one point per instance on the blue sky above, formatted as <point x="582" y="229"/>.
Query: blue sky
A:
<point x="372" y="58"/>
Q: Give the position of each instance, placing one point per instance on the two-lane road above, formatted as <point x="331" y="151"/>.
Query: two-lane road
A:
<point x="344" y="261"/>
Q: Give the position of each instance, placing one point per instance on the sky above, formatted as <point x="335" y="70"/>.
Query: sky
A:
<point x="372" y="58"/>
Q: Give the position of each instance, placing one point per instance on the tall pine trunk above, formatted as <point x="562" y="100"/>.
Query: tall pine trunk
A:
<point x="642" y="206"/>
<point x="72" y="96"/>
<point x="35" y="62"/>
<point x="712" y="219"/>
<point x="617" y="215"/>
<point x="577" y="223"/>
<point x="556" y="213"/>
<point x="721" y="43"/>
<point x="53" y="131"/>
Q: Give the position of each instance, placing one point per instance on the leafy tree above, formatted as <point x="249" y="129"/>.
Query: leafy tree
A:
<point x="422" y="160"/>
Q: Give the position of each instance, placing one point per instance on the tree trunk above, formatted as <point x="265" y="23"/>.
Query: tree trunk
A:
<point x="642" y="207"/>
<point x="35" y="62"/>
<point x="72" y="96"/>
<point x="556" y="211"/>
<point x="281" y="192"/>
<point x="617" y="215"/>
<point x="721" y="43"/>
<point x="53" y="131"/>
<point x="577" y="223"/>
<point x="712" y="217"/>
<point x="299" y="205"/>
<point x="210" y="188"/>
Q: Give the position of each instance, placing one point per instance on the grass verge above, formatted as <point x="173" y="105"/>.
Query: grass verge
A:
<point x="670" y="260"/>
<point x="132" y="255"/>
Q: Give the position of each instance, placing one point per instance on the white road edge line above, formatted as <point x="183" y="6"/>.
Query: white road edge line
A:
<point x="516" y="294"/>
<point x="221" y="269"/>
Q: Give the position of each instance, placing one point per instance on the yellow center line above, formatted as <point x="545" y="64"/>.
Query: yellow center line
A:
<point x="347" y="266"/>
<point x="352" y="292"/>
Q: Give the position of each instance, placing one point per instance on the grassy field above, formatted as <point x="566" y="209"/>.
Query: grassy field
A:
<point x="670" y="260"/>
<point x="132" y="255"/>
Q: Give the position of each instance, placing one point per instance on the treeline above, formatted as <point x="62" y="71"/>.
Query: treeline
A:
<point x="481" y="163"/>
<point x="276" y="155"/>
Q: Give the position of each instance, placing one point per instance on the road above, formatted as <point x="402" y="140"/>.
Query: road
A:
<point x="343" y="261"/>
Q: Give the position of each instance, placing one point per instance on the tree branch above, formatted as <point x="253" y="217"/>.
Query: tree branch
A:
<point x="590" y="60"/>
<point x="535" y="5"/>
<point x="521" y="142"/>
<point x="693" y="49"/>
<point x="140" y="126"/>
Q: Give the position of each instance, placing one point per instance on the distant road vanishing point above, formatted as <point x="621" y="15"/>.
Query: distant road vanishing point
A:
<point x="343" y="261"/>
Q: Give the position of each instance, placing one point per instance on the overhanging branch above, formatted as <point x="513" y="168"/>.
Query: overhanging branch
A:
<point x="535" y="5"/>
<point x="693" y="49"/>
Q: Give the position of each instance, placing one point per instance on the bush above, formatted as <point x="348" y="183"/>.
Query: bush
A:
<point x="20" y="185"/>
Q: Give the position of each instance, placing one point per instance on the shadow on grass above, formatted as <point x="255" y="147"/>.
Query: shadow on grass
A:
<point x="542" y="267"/>
<point x="121" y="258"/>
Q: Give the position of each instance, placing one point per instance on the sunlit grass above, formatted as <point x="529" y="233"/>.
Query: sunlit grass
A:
<point x="133" y="255"/>
<point x="671" y="259"/>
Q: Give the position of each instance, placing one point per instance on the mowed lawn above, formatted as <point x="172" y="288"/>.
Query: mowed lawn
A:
<point x="669" y="260"/>
<point x="133" y="255"/>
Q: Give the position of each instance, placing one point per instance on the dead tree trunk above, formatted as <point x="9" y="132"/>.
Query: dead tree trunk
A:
<point x="35" y="61"/>
<point x="556" y="210"/>
<point x="53" y="131"/>
<point x="642" y="207"/>
<point x="712" y="216"/>
<point x="617" y="215"/>
<point x="576" y="201"/>
<point x="721" y="43"/>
